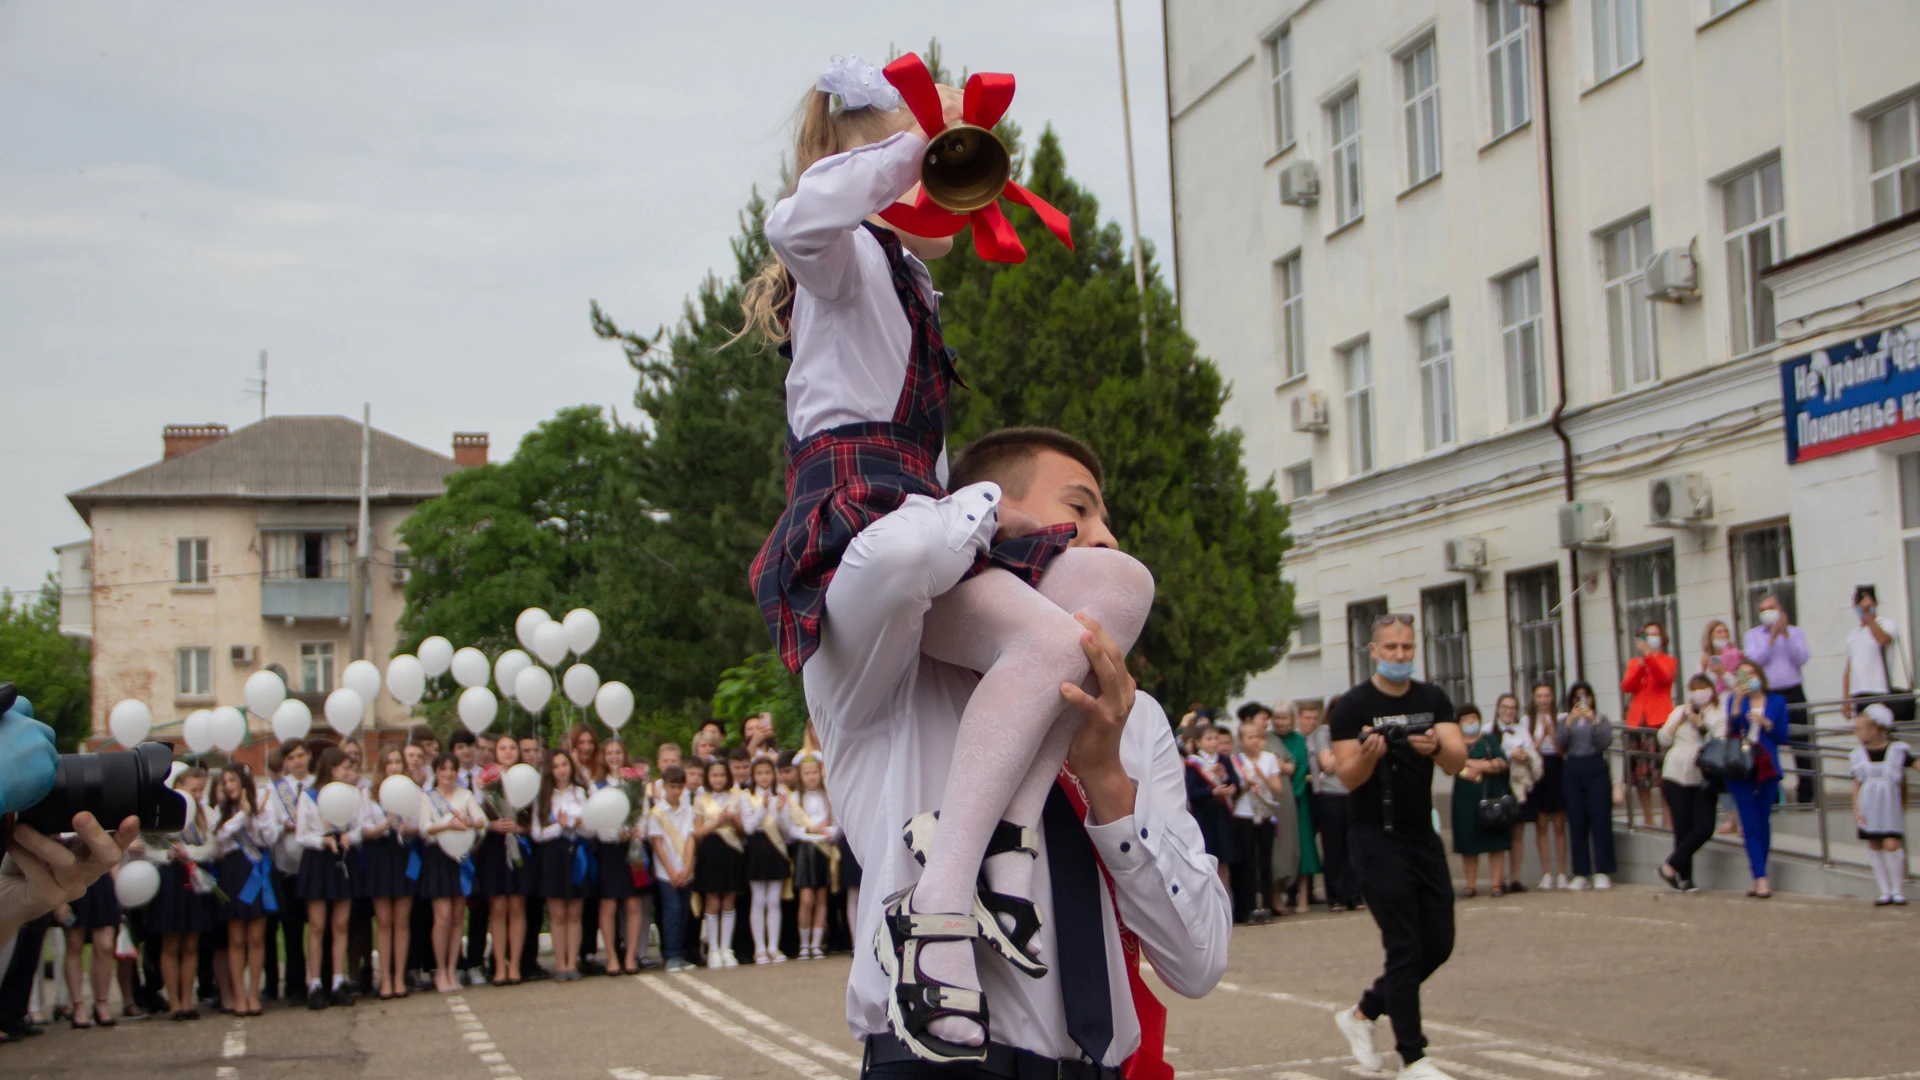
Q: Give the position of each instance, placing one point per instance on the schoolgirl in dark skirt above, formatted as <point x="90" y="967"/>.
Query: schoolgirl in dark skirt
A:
<point x="446" y="810"/>
<point x="502" y="880"/>
<point x="388" y="849"/>
<point x="811" y="837"/>
<point x="615" y="886"/>
<point x="762" y="813"/>
<point x="96" y="919"/>
<point x="331" y="869"/>
<point x="719" y="862"/>
<point x="245" y="843"/>
<point x="560" y="870"/>
<point x="180" y="914"/>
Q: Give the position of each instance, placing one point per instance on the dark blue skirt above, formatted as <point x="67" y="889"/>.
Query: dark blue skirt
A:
<point x="235" y="870"/>
<point x="553" y="871"/>
<point x="764" y="861"/>
<point x="98" y="907"/>
<point x="326" y="877"/>
<point x="177" y="909"/>
<point x="384" y="868"/>
<point x="811" y="868"/>
<point x="491" y="874"/>
<point x="717" y="868"/>
<point x="439" y="874"/>
<point x="616" y="877"/>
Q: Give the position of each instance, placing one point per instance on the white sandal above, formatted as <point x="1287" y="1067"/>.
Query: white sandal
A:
<point x="917" y="999"/>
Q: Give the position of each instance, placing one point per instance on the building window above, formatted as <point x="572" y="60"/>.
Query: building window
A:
<point x="1533" y="620"/>
<point x="1894" y="136"/>
<point x="1436" y="377"/>
<point x="1307" y="634"/>
<point x="1357" y="363"/>
<point x="191" y="559"/>
<point x="303" y="554"/>
<point x="1520" y="339"/>
<point x="1343" y="118"/>
<point x="196" y="672"/>
<point x="1300" y="480"/>
<point x="1616" y="37"/>
<point x="1762" y="565"/>
<point x="1443" y="619"/>
<point x="1420" y="89"/>
<point x="1280" y="64"/>
<point x="1910" y="541"/>
<point x="1509" y="74"/>
<point x="1293" y="317"/>
<point x="1360" y="619"/>
<point x="1644" y="591"/>
<point x="316" y="667"/>
<point x="1625" y="252"/>
<point x="1756" y="239"/>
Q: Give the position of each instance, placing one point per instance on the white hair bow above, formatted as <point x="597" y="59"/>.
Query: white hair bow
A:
<point x="858" y="85"/>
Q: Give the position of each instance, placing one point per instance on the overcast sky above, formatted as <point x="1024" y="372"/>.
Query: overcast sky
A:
<point x="411" y="204"/>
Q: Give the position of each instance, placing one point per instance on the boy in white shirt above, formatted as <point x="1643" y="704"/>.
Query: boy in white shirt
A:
<point x="670" y="830"/>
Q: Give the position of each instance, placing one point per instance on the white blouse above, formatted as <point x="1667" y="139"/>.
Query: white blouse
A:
<point x="251" y="834"/>
<point x="568" y="804"/>
<point x="814" y="805"/>
<point x="460" y="802"/>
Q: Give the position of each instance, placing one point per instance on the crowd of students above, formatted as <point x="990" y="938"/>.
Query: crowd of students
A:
<point x="260" y="898"/>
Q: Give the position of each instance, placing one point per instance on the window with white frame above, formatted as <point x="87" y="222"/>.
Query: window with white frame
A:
<point x="190" y="559"/>
<point x="1756" y="222"/>
<point x="1509" y="74"/>
<point x="1624" y="253"/>
<point x="1280" y="67"/>
<point x="1893" y="138"/>
<point x="195" y="672"/>
<point x="1533" y="625"/>
<point x="1520" y="341"/>
<point x="1420" y="92"/>
<point x="1357" y="363"/>
<point x="1436" y="377"/>
<point x="1293" y="317"/>
<point x="1299" y="480"/>
<point x="1616" y="37"/>
<point x="316" y="667"/>
<point x="1343" y="120"/>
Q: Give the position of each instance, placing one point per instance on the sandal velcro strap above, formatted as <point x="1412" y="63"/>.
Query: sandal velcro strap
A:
<point x="1008" y="837"/>
<point x="932" y="926"/>
<point x="1025" y="916"/>
<point x="943" y="1000"/>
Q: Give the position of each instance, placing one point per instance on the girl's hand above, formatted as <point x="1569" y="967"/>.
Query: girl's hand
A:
<point x="179" y="851"/>
<point x="330" y="845"/>
<point x="504" y="825"/>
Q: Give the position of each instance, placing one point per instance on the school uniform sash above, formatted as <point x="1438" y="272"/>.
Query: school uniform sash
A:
<point x="770" y="825"/>
<point x="710" y="808"/>
<point x="796" y="806"/>
<point x="676" y="840"/>
<point x="445" y="807"/>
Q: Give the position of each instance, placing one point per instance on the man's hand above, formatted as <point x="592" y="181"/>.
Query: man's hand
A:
<point x="1095" y="754"/>
<point x="1425" y="744"/>
<point x="26" y="745"/>
<point x="41" y="873"/>
<point x="1016" y="523"/>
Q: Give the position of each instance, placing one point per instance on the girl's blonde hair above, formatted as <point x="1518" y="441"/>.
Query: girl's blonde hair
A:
<point x="820" y="130"/>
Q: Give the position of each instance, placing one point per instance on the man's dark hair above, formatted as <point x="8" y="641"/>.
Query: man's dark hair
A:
<point x="673" y="774"/>
<point x="1006" y="458"/>
<point x="421" y="733"/>
<point x="1250" y="710"/>
<point x="739" y="753"/>
<point x="463" y="737"/>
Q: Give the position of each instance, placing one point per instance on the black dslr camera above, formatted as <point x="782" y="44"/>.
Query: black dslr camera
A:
<point x="1397" y="729"/>
<point x="114" y="786"/>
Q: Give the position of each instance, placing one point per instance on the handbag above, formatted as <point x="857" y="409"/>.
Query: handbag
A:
<point x="1495" y="815"/>
<point x="1727" y="759"/>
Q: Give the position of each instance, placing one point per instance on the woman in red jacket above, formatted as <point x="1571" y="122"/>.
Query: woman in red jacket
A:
<point x="1649" y="684"/>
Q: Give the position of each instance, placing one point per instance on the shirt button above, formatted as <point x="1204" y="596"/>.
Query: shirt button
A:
<point x="1124" y="846"/>
<point x="1143" y="834"/>
<point x="1176" y="889"/>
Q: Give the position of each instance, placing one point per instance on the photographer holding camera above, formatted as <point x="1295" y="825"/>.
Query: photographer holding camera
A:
<point x="1388" y="733"/>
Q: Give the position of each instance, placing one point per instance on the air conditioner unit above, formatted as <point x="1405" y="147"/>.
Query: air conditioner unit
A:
<point x="1309" y="412"/>
<point x="1586" y="525"/>
<point x="240" y="654"/>
<point x="1681" y="501"/>
<point x="1299" y="184"/>
<point x="401" y="574"/>
<point x="1467" y="555"/>
<point x="1670" y="276"/>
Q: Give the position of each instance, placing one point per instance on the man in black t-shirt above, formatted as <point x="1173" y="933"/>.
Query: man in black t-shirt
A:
<point x="1388" y="734"/>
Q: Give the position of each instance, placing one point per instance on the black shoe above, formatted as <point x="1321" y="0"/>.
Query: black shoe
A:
<point x="592" y="967"/>
<point x="535" y="973"/>
<point x="1515" y="887"/>
<point x="316" y="998"/>
<point x="341" y="997"/>
<point x="269" y="995"/>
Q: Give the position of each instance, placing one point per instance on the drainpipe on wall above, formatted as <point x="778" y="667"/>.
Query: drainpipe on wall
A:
<point x="1173" y="189"/>
<point x="1550" y="226"/>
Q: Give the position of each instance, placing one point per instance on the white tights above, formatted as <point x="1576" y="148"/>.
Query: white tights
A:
<point x="763" y="918"/>
<point x="1016" y="730"/>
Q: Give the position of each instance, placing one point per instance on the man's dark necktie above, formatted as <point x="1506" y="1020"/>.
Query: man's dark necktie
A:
<point x="1079" y="932"/>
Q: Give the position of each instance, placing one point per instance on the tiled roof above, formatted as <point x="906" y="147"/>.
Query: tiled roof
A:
<point x="282" y="457"/>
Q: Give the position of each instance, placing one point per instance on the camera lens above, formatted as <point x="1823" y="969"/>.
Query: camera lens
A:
<point x="113" y="786"/>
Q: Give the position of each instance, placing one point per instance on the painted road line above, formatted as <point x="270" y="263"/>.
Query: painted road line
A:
<point x="831" y="1054"/>
<point x="637" y="1074"/>
<point x="1303" y="1063"/>
<point x="799" y="1063"/>
<point x="236" y="1042"/>
<point x="1561" y="1068"/>
<point x="478" y="1042"/>
<point x="1472" y="1072"/>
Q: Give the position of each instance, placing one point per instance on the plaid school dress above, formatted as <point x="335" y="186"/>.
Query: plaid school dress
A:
<point x="843" y="479"/>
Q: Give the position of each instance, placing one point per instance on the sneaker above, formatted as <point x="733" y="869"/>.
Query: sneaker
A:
<point x="727" y="959"/>
<point x="761" y="958"/>
<point x="1602" y="882"/>
<point x="1424" y="1069"/>
<point x="715" y="961"/>
<point x="1359" y="1032"/>
<point x="1580" y="884"/>
<point x="1690" y="887"/>
<point x="1560" y="881"/>
<point x="1546" y="883"/>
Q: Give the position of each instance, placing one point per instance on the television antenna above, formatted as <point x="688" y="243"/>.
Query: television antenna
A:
<point x="258" y="387"/>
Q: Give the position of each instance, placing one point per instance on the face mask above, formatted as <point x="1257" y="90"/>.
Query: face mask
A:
<point x="1700" y="698"/>
<point x="1396" y="670"/>
<point x="1751" y="686"/>
<point x="1471" y="729"/>
<point x="1770" y="616"/>
<point x="1653" y="642"/>
<point x="1721" y="643"/>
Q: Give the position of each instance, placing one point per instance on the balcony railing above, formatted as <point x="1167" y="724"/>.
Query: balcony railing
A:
<point x="305" y="598"/>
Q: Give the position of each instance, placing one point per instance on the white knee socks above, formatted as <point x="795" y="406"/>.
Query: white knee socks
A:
<point x="710" y="935"/>
<point x="764" y="917"/>
<point x="773" y="917"/>
<point x="727" y="923"/>
<point x="1888" y="870"/>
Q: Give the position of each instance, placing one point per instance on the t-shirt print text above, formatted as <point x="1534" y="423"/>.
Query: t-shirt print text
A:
<point x="1410" y="720"/>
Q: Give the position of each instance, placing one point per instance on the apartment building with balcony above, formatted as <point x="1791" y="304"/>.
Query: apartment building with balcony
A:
<point x="230" y="555"/>
<point x="1444" y="248"/>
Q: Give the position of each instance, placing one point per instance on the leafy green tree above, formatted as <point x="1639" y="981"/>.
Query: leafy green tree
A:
<point x="762" y="684"/>
<point x="51" y="669"/>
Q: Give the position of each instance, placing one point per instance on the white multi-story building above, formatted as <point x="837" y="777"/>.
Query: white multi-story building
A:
<point x="1443" y="248"/>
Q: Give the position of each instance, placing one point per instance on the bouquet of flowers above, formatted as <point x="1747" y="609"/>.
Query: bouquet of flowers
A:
<point x="634" y="784"/>
<point x="493" y="799"/>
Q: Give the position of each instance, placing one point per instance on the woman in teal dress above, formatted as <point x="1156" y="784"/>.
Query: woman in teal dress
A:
<point x="1485" y="777"/>
<point x="1296" y="744"/>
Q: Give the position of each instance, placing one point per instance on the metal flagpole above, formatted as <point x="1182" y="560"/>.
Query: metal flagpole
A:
<point x="1133" y="194"/>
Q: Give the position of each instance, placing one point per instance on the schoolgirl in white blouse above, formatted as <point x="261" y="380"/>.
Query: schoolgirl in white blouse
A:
<point x="813" y="839"/>
<point x="447" y="809"/>
<point x="556" y="824"/>
<point x="327" y="880"/>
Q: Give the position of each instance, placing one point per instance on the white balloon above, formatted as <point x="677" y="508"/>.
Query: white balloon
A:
<point x="470" y="667"/>
<point x="435" y="654"/>
<point x="550" y="643"/>
<point x="292" y="720"/>
<point x="137" y="883"/>
<point x="606" y="809"/>
<point x="399" y="795"/>
<point x="529" y="621"/>
<point x="406" y="679"/>
<point x="477" y="708"/>
<point x="508" y="668"/>
<point x="581" y="683"/>
<point x="363" y="678"/>
<point x="614" y="703"/>
<point x="265" y="691"/>
<point x="522" y="783"/>
<point x="130" y="721"/>
<point x="228" y="727"/>
<point x="583" y="629"/>
<point x="533" y="688"/>
<point x="197" y="731"/>
<point x="455" y="842"/>
<point x="338" y="803"/>
<point x="345" y="710"/>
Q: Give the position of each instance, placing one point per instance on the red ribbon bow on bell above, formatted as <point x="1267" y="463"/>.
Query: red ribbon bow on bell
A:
<point x="987" y="98"/>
